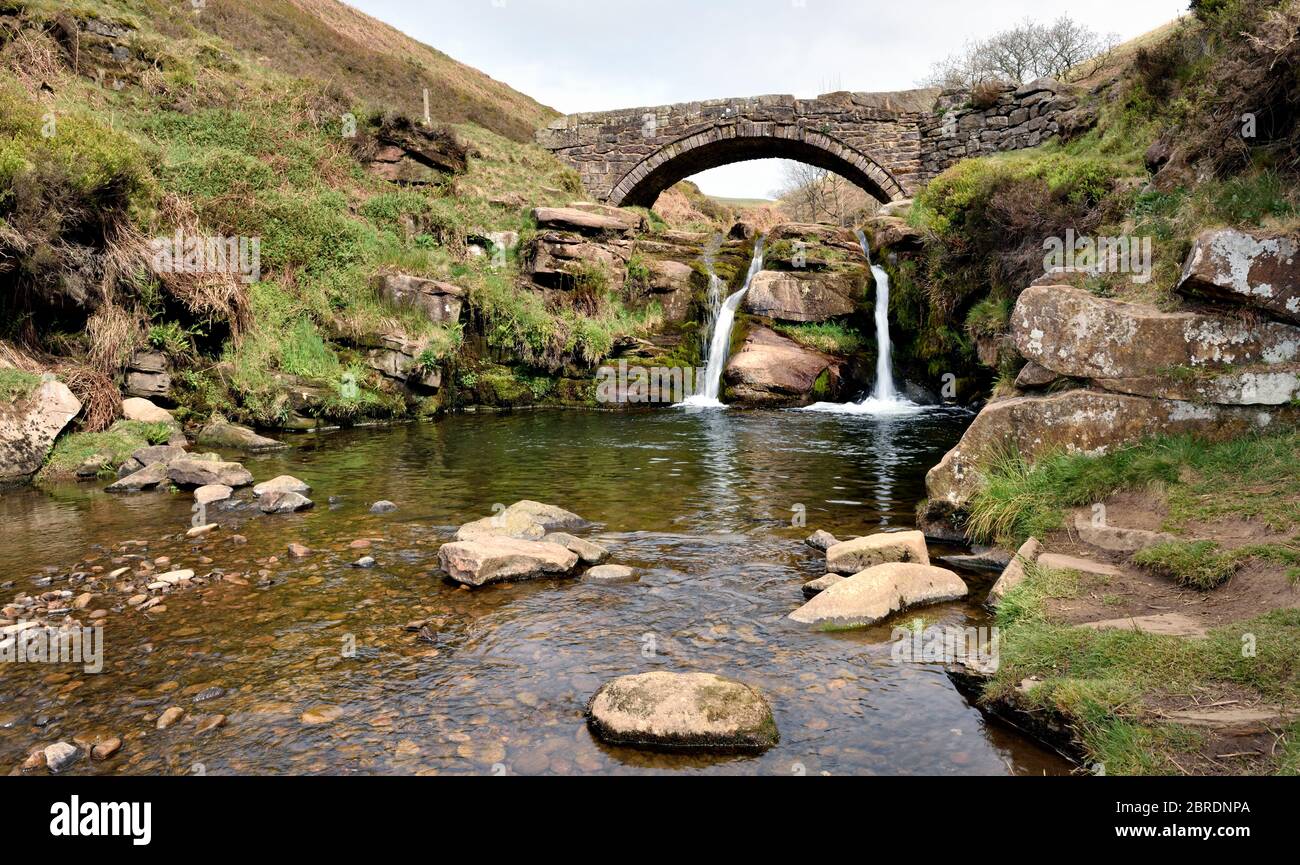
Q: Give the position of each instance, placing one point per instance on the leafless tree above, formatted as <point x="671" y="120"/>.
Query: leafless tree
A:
<point x="1062" y="49"/>
<point x="811" y="194"/>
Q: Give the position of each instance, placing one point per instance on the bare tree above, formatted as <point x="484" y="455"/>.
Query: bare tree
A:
<point x="811" y="194"/>
<point x="1027" y="51"/>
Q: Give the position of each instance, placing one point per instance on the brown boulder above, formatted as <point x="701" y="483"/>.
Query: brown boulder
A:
<point x="772" y="370"/>
<point x="1256" y="270"/>
<point x="803" y="297"/>
<point x="439" y="301"/>
<point x="1082" y="421"/>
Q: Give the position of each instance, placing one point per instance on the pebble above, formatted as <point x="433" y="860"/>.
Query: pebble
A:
<point x="60" y="756"/>
<point x="384" y="507"/>
<point x="171" y="716"/>
<point x="321" y="715"/>
<point x="298" y="551"/>
<point x="106" y="749"/>
<point x="200" y="531"/>
<point x="365" y="562"/>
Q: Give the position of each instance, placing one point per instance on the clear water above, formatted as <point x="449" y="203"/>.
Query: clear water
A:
<point x="702" y="503"/>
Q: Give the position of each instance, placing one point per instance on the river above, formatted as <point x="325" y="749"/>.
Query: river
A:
<point x="705" y="503"/>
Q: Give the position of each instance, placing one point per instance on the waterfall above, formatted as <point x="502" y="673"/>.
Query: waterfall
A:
<point x="884" y="398"/>
<point x="723" y="316"/>
<point x="884" y="391"/>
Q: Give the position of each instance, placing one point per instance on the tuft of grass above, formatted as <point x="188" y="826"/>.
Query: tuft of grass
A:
<point x="1195" y="564"/>
<point x="16" y="384"/>
<point x="828" y="336"/>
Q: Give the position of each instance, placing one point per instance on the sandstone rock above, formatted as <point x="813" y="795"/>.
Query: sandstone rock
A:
<point x="201" y="531"/>
<point x="1258" y="384"/>
<point x="1257" y="270"/>
<point x="284" y="502"/>
<point x="875" y="594"/>
<point x="170" y="717"/>
<point x="29" y="426"/>
<point x="440" y="302"/>
<point x="158" y="454"/>
<point x="1117" y="539"/>
<point x="106" y="749"/>
<point x="892" y="233"/>
<point x="175" y="578"/>
<point x="813" y="588"/>
<point x="549" y="517"/>
<point x="192" y="472"/>
<point x="1035" y="377"/>
<point x="1166" y="624"/>
<point x="212" y="494"/>
<point x="1082" y="421"/>
<point x="851" y="557"/>
<point x="1014" y="574"/>
<point x="772" y="370"/>
<point x="803" y="297"/>
<point x="146" y="478"/>
<point x="298" y="551"/>
<point x="221" y="433"/>
<point x="607" y="219"/>
<point x="520" y="526"/>
<point x="609" y="574"/>
<point x="1076" y="334"/>
<point x="282" y="484"/>
<point x="144" y="411"/>
<point x="148" y="375"/>
<point x="60" y="756"/>
<point x="556" y="261"/>
<point x="1060" y="562"/>
<point x="820" y="540"/>
<point x="590" y="553"/>
<point x="383" y="507"/>
<point x="682" y="711"/>
<point x="501" y="559"/>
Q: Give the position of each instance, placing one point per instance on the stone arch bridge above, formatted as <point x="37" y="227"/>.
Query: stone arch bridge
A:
<point x="889" y="144"/>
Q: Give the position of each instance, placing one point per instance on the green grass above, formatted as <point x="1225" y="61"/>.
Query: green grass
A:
<point x="1195" y="564"/>
<point x="15" y="384"/>
<point x="113" y="447"/>
<point x="1248" y="478"/>
<point x="827" y="336"/>
<point x="1099" y="681"/>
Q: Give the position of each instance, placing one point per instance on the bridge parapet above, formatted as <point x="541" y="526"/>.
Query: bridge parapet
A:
<point x="888" y="143"/>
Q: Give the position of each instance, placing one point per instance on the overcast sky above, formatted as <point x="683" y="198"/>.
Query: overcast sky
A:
<point x="593" y="55"/>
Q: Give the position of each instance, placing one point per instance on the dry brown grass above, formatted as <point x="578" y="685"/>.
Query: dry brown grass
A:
<point x="217" y="296"/>
<point x="101" y="403"/>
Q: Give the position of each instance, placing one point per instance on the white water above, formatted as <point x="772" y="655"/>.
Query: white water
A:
<point x="884" y="399"/>
<point x="723" y="317"/>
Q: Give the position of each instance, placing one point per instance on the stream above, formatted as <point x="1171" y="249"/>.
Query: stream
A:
<point x="702" y="502"/>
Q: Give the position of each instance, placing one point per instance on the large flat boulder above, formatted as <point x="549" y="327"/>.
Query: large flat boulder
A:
<point x="1083" y="421"/>
<point x="1074" y="333"/>
<point x="877" y="593"/>
<point x="192" y="473"/>
<point x="682" y="712"/>
<point x="29" y="426"/>
<point x="1257" y="270"/>
<point x="590" y="219"/>
<point x="851" y="557"/>
<point x="772" y="370"/>
<point x="500" y="559"/>
<point x="146" y="478"/>
<point x="221" y="433"/>
<point x="144" y="411"/>
<point x="803" y="297"/>
<point x="524" y="520"/>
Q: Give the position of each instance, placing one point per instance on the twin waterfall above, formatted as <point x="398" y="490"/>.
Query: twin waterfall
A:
<point x="884" y="397"/>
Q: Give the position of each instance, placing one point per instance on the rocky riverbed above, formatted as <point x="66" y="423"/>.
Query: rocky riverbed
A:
<point x="280" y="655"/>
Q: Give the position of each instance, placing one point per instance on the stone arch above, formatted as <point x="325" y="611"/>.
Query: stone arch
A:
<point x="723" y="145"/>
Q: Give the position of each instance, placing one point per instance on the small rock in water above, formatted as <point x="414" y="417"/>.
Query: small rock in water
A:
<point x="106" y="749"/>
<point x="284" y="503"/>
<point x="298" y="551"/>
<point x="384" y="507"/>
<point x="282" y="484"/>
<point x="211" y="722"/>
<point x="590" y="553"/>
<point x="609" y="574"/>
<point x="200" y="531"/>
<point x="169" y="717"/>
<point x="60" y="756"/>
<point x="813" y="588"/>
<point x="212" y="693"/>
<point x="212" y="493"/>
<point x="820" y="540"/>
<point x="365" y="562"/>
<point x="321" y="715"/>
